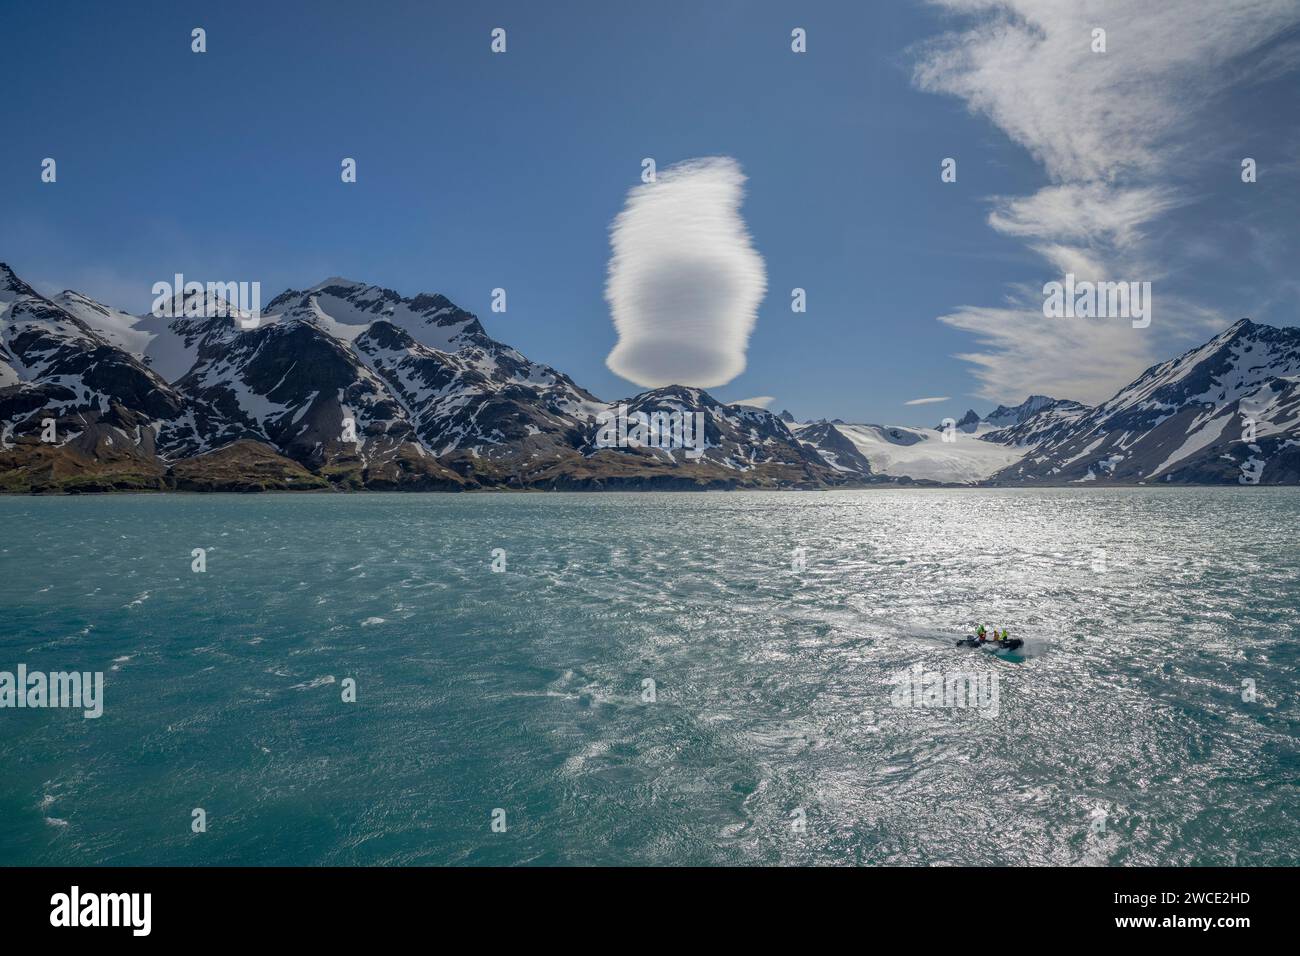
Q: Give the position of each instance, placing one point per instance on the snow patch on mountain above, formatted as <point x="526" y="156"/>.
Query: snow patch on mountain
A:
<point x="1199" y="438"/>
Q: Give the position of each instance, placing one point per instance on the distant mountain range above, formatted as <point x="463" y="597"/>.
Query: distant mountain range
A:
<point x="350" y="386"/>
<point x="1227" y="412"/>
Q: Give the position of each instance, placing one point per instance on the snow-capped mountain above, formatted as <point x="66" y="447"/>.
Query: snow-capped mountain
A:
<point x="739" y="442"/>
<point x="344" y="310"/>
<point x="344" y="385"/>
<point x="1007" y="416"/>
<point x="167" y="344"/>
<point x="998" y="424"/>
<point x="76" y="410"/>
<point x="349" y="385"/>
<point x="119" y="329"/>
<point x="834" y="447"/>
<point x="1226" y="412"/>
<point x="1030" y="428"/>
<point x="967" y="423"/>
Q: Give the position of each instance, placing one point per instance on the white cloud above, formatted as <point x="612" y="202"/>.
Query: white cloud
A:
<point x="759" y="401"/>
<point x="1093" y="213"/>
<point x="1112" y="131"/>
<point x="1087" y="229"/>
<point x="1028" y="65"/>
<point x="684" y="279"/>
<point x="928" y="401"/>
<point x="1023" y="353"/>
<point x="1074" y="260"/>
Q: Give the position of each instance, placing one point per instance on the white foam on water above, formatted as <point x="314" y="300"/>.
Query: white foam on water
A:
<point x="318" y="682"/>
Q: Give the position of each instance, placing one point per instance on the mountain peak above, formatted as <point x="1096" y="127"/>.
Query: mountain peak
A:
<point x="681" y="393"/>
<point x="1008" y="416"/>
<point x="1180" y="420"/>
<point x="337" y="282"/>
<point x="967" y="421"/>
<point x="12" y="286"/>
<point x="345" y="309"/>
<point x="1241" y="327"/>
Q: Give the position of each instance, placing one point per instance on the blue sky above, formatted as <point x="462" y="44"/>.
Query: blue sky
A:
<point x="478" y="170"/>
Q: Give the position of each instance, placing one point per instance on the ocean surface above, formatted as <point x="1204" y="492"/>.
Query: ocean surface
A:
<point x="1126" y="732"/>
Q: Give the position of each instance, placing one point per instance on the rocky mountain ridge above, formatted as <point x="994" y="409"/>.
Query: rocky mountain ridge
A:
<point x="343" y="385"/>
<point x="347" y="386"/>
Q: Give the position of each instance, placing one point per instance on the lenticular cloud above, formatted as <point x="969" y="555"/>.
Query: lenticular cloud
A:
<point x="684" y="280"/>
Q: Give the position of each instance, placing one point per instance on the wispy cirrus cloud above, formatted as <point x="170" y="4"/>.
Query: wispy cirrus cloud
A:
<point x="1083" y="212"/>
<point x="1024" y="354"/>
<point x="1110" y="130"/>
<point x="684" y="280"/>
<point x="928" y="401"/>
<point x="1028" y="65"/>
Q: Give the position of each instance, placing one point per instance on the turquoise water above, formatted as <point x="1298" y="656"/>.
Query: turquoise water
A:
<point x="523" y="690"/>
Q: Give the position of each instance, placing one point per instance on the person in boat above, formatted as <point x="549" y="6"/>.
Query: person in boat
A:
<point x="1005" y="638"/>
<point x="979" y="634"/>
